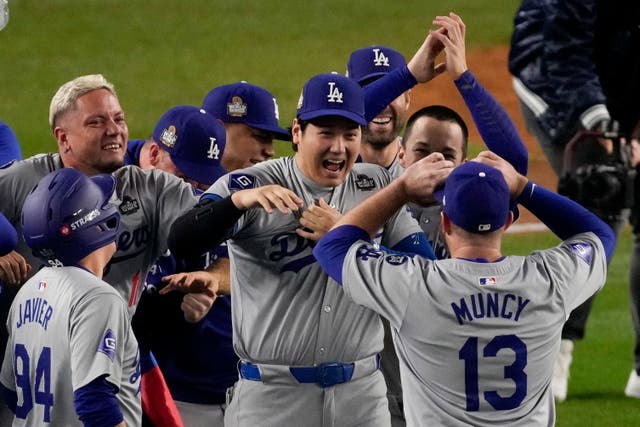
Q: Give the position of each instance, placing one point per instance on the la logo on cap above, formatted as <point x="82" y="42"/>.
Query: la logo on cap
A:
<point x="334" y="93"/>
<point x="380" y="59"/>
<point x="237" y="107"/>
<point x="168" y="136"/>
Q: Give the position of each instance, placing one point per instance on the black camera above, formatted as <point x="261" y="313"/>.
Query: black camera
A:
<point x="606" y="186"/>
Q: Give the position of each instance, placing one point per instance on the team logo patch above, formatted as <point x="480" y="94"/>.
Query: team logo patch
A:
<point x="396" y="259"/>
<point x="583" y="250"/>
<point x="334" y="94"/>
<point x="487" y="281"/>
<point x="380" y="59"/>
<point x="365" y="183"/>
<point x="129" y="206"/>
<point x="169" y="136"/>
<point x="108" y="344"/>
<point x="241" y="181"/>
<point x="237" y="107"/>
<point x="65" y="230"/>
<point x="42" y="286"/>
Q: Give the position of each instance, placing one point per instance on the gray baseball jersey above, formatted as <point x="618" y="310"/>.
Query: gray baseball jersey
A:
<point x="67" y="328"/>
<point x="284" y="309"/>
<point x="476" y="341"/>
<point x="395" y="169"/>
<point x="149" y="201"/>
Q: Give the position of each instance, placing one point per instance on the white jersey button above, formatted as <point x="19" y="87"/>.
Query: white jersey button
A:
<point x="327" y="308"/>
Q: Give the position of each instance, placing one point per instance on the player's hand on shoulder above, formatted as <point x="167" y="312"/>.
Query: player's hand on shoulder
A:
<point x="13" y="269"/>
<point x="316" y="220"/>
<point x="420" y="180"/>
<point x="453" y="39"/>
<point x="193" y="281"/>
<point x="196" y="305"/>
<point x="515" y="181"/>
<point x="269" y="197"/>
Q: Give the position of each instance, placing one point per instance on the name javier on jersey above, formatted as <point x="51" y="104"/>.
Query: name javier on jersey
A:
<point x="34" y="310"/>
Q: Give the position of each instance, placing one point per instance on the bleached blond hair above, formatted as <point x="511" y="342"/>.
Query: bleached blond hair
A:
<point x="65" y="98"/>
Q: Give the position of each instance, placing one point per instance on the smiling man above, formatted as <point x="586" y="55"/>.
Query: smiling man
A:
<point x="300" y="341"/>
<point x="381" y="136"/>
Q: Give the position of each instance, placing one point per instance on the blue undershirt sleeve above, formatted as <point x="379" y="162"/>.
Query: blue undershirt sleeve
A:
<point x="564" y="217"/>
<point x="332" y="248"/>
<point x="493" y="123"/>
<point x="380" y="93"/>
<point x="96" y="404"/>
<point x="417" y="244"/>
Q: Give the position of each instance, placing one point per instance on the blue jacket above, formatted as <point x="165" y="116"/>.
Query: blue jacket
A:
<point x="577" y="62"/>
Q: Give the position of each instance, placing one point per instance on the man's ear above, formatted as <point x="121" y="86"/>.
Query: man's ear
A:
<point x="61" y="137"/>
<point x="445" y="223"/>
<point x="401" y="154"/>
<point x="154" y="154"/>
<point x="296" y="132"/>
<point x="509" y="221"/>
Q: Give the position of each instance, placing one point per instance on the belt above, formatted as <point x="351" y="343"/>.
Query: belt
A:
<point x="325" y="374"/>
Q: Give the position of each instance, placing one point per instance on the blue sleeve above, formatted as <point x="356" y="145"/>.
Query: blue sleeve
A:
<point x="417" y="244"/>
<point x="494" y="124"/>
<point x="96" y="403"/>
<point x="8" y="236"/>
<point x="10" y="397"/>
<point x="9" y="146"/>
<point x="379" y="94"/>
<point x="564" y="217"/>
<point x="332" y="248"/>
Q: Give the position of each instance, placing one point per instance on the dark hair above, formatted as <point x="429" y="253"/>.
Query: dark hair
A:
<point x="443" y="114"/>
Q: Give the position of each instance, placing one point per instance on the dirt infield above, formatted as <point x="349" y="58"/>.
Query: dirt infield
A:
<point x="490" y="68"/>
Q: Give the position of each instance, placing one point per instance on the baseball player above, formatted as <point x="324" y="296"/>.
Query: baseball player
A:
<point x="381" y="136"/>
<point x="250" y="116"/>
<point x="72" y="358"/>
<point x="476" y="334"/>
<point x="91" y="131"/>
<point x="189" y="143"/>
<point x="289" y="329"/>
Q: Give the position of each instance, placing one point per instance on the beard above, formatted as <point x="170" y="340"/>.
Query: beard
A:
<point x="381" y="136"/>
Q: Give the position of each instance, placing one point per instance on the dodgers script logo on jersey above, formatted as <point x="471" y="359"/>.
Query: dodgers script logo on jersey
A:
<point x="290" y="245"/>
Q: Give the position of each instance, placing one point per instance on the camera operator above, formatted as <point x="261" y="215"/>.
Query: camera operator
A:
<point x="576" y="68"/>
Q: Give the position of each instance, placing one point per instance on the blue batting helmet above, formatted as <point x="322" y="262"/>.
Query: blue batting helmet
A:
<point x="67" y="216"/>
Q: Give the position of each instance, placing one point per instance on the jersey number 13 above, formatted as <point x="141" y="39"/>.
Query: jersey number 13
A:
<point x="515" y="371"/>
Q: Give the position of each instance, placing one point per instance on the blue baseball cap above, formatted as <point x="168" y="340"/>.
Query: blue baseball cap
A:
<point x="476" y="197"/>
<point x="246" y="103"/>
<point x="332" y="95"/>
<point x="370" y="63"/>
<point x="195" y="142"/>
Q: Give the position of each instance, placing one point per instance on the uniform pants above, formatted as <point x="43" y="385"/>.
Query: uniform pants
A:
<point x="200" y="415"/>
<point x="360" y="402"/>
<point x="574" y="328"/>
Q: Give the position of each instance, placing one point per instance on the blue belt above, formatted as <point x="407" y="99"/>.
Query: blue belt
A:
<point x="325" y="374"/>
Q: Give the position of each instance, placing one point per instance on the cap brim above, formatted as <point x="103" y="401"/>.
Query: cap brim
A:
<point x="370" y="78"/>
<point x="107" y="184"/>
<point x="204" y="174"/>
<point x="310" y="115"/>
<point x="278" y="132"/>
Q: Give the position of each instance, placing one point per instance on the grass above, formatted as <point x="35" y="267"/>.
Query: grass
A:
<point x="161" y="53"/>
